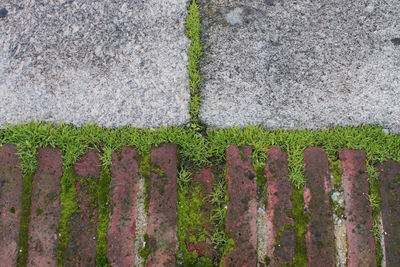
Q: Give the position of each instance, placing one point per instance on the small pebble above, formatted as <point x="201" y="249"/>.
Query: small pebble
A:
<point x="3" y="13"/>
<point x="395" y="41"/>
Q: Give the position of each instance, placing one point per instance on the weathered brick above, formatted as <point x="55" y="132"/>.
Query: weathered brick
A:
<point x="360" y="239"/>
<point x="389" y="187"/>
<point x="280" y="226"/>
<point x="81" y="250"/>
<point x="205" y="180"/>
<point x="10" y="204"/>
<point x="241" y="216"/>
<point x="46" y="209"/>
<point x="161" y="224"/>
<point x="122" y="224"/>
<point x="320" y="238"/>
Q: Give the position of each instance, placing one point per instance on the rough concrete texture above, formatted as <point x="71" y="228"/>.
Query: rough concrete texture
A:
<point x="293" y="64"/>
<point x="115" y="63"/>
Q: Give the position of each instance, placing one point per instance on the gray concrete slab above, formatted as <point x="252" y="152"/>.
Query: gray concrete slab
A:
<point x="301" y="64"/>
<point x="115" y="63"/>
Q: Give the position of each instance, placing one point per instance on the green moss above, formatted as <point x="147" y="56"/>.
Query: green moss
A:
<point x="103" y="219"/>
<point x="375" y="200"/>
<point x="300" y="227"/>
<point x="25" y="218"/>
<point x="148" y="248"/>
<point x="261" y="174"/>
<point x="191" y="220"/>
<point x="193" y="29"/>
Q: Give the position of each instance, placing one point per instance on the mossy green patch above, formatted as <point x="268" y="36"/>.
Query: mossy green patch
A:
<point x="69" y="206"/>
<point x="191" y="220"/>
<point x="25" y="218"/>
<point x="300" y="227"/>
<point x="193" y="29"/>
<point x="103" y="219"/>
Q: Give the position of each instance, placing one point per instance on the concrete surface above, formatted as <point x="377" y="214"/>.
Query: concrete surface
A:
<point x="115" y="63"/>
<point x="301" y="64"/>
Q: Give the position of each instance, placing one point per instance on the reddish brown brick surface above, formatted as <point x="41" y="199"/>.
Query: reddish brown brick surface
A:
<point x="241" y="216"/>
<point x="81" y="250"/>
<point x="389" y="186"/>
<point x="320" y="239"/>
<point x="360" y="239"/>
<point x="280" y="249"/>
<point x="45" y="209"/>
<point x="122" y="224"/>
<point x="161" y="222"/>
<point x="206" y="181"/>
<point x="10" y="204"/>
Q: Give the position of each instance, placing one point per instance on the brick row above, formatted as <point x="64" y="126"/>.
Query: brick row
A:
<point x="241" y="215"/>
<point x="123" y="190"/>
<point x="161" y="221"/>
<point x="45" y="209"/>
<point x="389" y="187"/>
<point x="10" y="204"/>
<point x="320" y="240"/>
<point x="280" y="224"/>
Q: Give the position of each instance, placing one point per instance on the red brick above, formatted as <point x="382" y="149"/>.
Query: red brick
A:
<point x="161" y="223"/>
<point x="279" y="191"/>
<point x="122" y="224"/>
<point x="88" y="165"/>
<point x="81" y="250"/>
<point x="389" y="186"/>
<point x="320" y="238"/>
<point x="241" y="216"/>
<point x="360" y="239"/>
<point x="11" y="201"/>
<point x="206" y="181"/>
<point x="45" y="209"/>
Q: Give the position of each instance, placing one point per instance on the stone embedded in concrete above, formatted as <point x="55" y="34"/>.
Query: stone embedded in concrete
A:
<point x="358" y="212"/>
<point x="161" y="221"/>
<point x="81" y="249"/>
<point x="280" y="249"/>
<point x="389" y="187"/>
<point x="114" y="63"/>
<point x="45" y="208"/>
<point x="122" y="225"/>
<point x="205" y="180"/>
<point x="300" y="64"/>
<point x="320" y="238"/>
<point x="241" y="214"/>
<point x="11" y="203"/>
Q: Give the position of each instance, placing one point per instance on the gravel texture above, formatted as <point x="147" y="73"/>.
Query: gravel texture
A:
<point x="115" y="63"/>
<point x="301" y="64"/>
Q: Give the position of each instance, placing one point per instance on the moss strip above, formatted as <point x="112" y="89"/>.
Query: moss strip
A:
<point x="25" y="218"/>
<point x="103" y="219"/>
<point x="69" y="206"/>
<point x="193" y="29"/>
